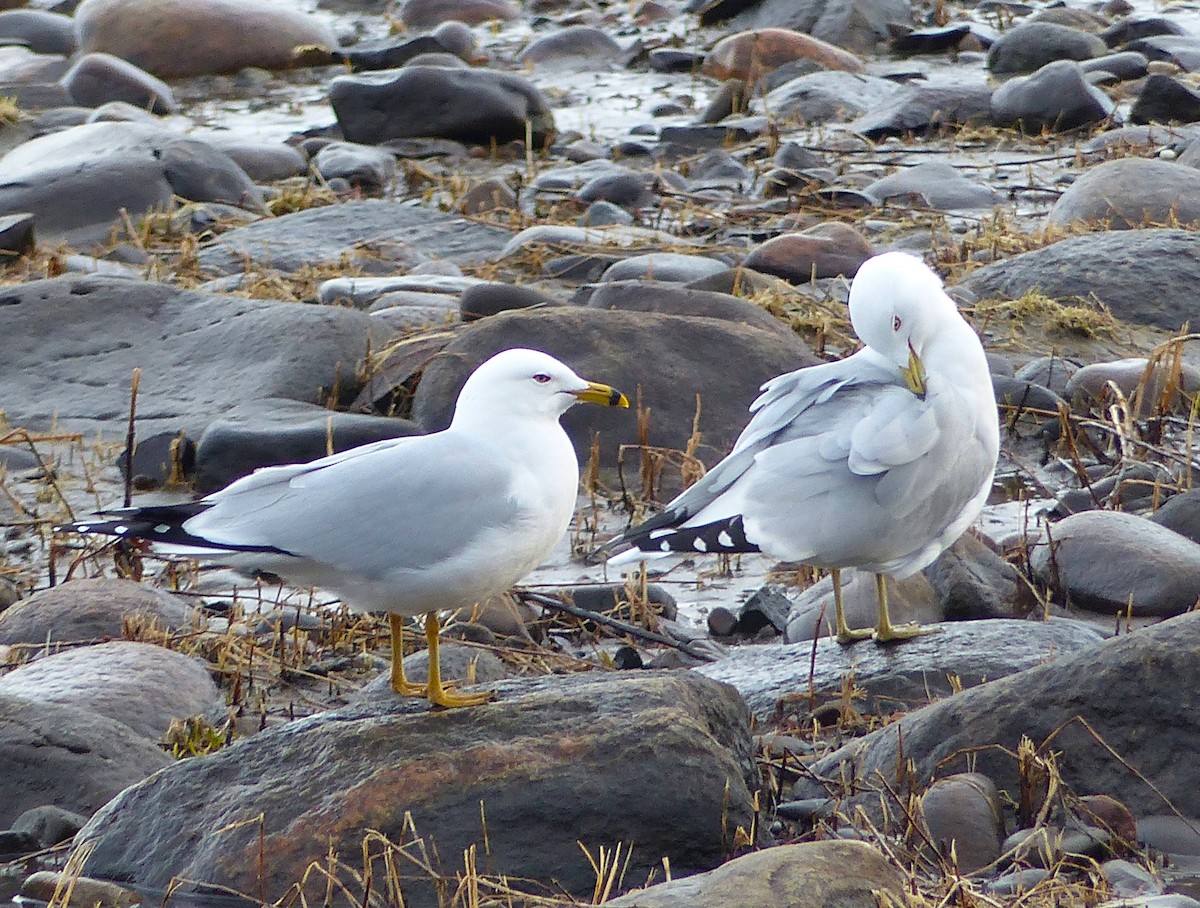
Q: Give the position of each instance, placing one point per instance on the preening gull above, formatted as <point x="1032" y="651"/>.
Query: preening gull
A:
<point x="407" y="526"/>
<point x="879" y="461"/>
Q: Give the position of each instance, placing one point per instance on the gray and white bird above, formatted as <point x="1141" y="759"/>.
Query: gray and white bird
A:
<point x="878" y="461"/>
<point x="406" y="526"/>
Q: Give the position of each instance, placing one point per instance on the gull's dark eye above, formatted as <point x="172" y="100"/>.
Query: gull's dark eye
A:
<point x="896" y="323"/>
<point x="541" y="378"/>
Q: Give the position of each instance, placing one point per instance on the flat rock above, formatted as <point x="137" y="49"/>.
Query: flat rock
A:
<point x="749" y="55"/>
<point x="73" y="758"/>
<point x="1112" y="561"/>
<point x="199" y="353"/>
<point x="1130" y="193"/>
<point x="42" y="32"/>
<point x="543" y="759"/>
<point x="933" y="184"/>
<point x="1032" y="45"/>
<point x="404" y="231"/>
<point x="926" y="108"/>
<point x="88" y="611"/>
<point x="1137" y="274"/>
<point x="901" y="676"/>
<point x="830" y="96"/>
<point x="139" y="685"/>
<point x="806" y="875"/>
<point x="1127" y="690"/>
<point x="97" y="78"/>
<point x="723" y="362"/>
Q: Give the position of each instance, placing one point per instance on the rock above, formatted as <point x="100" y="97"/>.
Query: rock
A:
<point x="16" y="236"/>
<point x="489" y="195"/>
<point x="1130" y="488"/>
<point x="575" y="46"/>
<point x="49" y="825"/>
<point x="1130" y="193"/>
<point x="483" y="300"/>
<point x="1133" y="27"/>
<point x="671" y="267"/>
<point x="1051" y="372"/>
<point x="825" y="250"/>
<point x="198" y="353"/>
<point x="98" y="77"/>
<point x="543" y="760"/>
<point x="722" y="362"/>
<point x="42" y="32"/>
<point x="1181" y="514"/>
<point x="429" y="13"/>
<point x="749" y="55"/>
<point x="934" y="184"/>
<point x="900" y="677"/>
<point x="830" y="96"/>
<point x="1088" y="387"/>
<point x="928" y="107"/>
<point x="1182" y="51"/>
<point x="1124" y="67"/>
<point x="906" y="42"/>
<point x="83" y="890"/>
<point x="626" y="188"/>
<point x="406" y="231"/>
<point x="476" y="106"/>
<point x="806" y="875"/>
<point x="263" y="433"/>
<point x="369" y="168"/>
<point x="669" y="299"/>
<point x="1050" y="703"/>
<point x="1057" y="96"/>
<point x="910" y="600"/>
<point x="85" y="611"/>
<point x="179" y="38"/>
<point x="1170" y="834"/>
<point x="971" y="582"/>
<point x="81" y="759"/>
<point x="140" y="685"/>
<point x="78" y="181"/>
<point x="963" y="812"/>
<point x="1136" y="274"/>
<point x="264" y="162"/>
<point x="1030" y="46"/>
<point x="1111" y="562"/>
<point x="855" y="24"/>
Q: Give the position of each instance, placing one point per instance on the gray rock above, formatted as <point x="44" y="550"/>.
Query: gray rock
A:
<point x="1125" y="66"/>
<point x="721" y="361"/>
<point x="365" y="166"/>
<point x="910" y="600"/>
<point x="1051" y="372"/>
<point x="97" y="78"/>
<point x="1110" y="561"/>
<point x="1181" y="514"/>
<point x="933" y="184"/>
<point x="671" y="267"/>
<point x="199" y="353"/>
<point x="73" y="758"/>
<point x="87" y="611"/>
<point x="1142" y="276"/>
<point x="670" y="299"/>
<point x="1057" y="96"/>
<point x="830" y="96"/>
<point x="405" y="231"/>
<point x="1181" y="50"/>
<point x="1131" y="193"/>
<point x="963" y="812"/>
<point x="477" y="106"/>
<point x="543" y="759"/>
<point x="42" y="31"/>
<point x="485" y="299"/>
<point x="430" y="13"/>
<point x="574" y="46"/>
<point x="1148" y="728"/>
<point x="1031" y="46"/>
<point x="264" y="162"/>
<point x="858" y="25"/>
<point x="139" y="685"/>
<point x="898" y="677"/>
<point x="971" y="582"/>
<point x="48" y="824"/>
<point x="807" y="875"/>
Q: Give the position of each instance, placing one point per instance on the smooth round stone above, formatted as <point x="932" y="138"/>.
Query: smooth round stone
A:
<point x="1052" y="372"/>
<point x="628" y="189"/>
<point x="490" y="195"/>
<point x="121" y="112"/>
<point x="1031" y="46"/>
<point x="99" y="77"/>
<point x="749" y="55"/>
<point x="1127" y="880"/>
<point x="1129" y="193"/>
<point x="438" y="58"/>
<point x="179" y="38"/>
<point x="1181" y="513"/>
<point x="1164" y="99"/>
<point x="365" y="166"/>
<point x="264" y="162"/>
<point x="88" y="610"/>
<point x="1170" y="834"/>
<point x="457" y="38"/>
<point x="1103" y="560"/>
<point x="663" y="266"/>
<point x="1089" y="384"/>
<point x="604" y="214"/>
<point x="42" y="32"/>
<point x="1057" y="97"/>
<point x="934" y="184"/>
<point x="430" y="13"/>
<point x="483" y="300"/>
<point x="826" y="250"/>
<point x="574" y="45"/>
<point x="963" y="811"/>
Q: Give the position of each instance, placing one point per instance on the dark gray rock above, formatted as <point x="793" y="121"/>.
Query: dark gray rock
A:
<point x="1051" y="372"/>
<point x="1147" y="277"/>
<point x="971" y="582"/>
<point x="575" y="46"/>
<point x="933" y="184"/>
<point x="926" y="108"/>
<point x="1125" y="65"/>
<point x="364" y="166"/>
<point x="1031" y="46"/>
<point x="1148" y="725"/>
<point x="626" y="188"/>
<point x="670" y="299"/>
<point x="544" y="760"/>
<point x="89" y="611"/>
<point x="405" y="230"/>
<point x="73" y="758"/>
<point x="477" y="106"/>
<point x="858" y="25"/>
<point x="267" y="432"/>
<point x="1057" y="97"/>
<point x="95" y="79"/>
<point x="1131" y="28"/>
<point x="897" y="677"/>
<point x="482" y="300"/>
<point x="42" y="32"/>
<point x="671" y="267"/>
<point x="139" y="685"/>
<point x="1130" y="193"/>
<point x="1182" y="50"/>
<point x="265" y="162"/>
<point x="668" y="358"/>
<point x="1181" y="513"/>
<point x="963" y="812"/>
<point x="830" y="96"/>
<point x="1111" y="561"/>
<point x="199" y="353"/>
<point x="16" y="236"/>
<point x="49" y="825"/>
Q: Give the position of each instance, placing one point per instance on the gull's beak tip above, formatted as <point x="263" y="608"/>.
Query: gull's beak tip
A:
<point x="605" y="395"/>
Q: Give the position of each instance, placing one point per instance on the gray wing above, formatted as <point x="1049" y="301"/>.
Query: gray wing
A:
<point x="407" y="505"/>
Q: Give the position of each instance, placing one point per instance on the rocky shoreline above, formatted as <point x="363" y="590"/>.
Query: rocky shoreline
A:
<point x="273" y="232"/>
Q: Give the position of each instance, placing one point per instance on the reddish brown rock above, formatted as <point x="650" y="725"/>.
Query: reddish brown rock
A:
<point x="825" y="250"/>
<point x="750" y="55"/>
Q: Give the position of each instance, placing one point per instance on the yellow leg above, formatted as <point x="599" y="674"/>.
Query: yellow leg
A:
<point x="885" y="631"/>
<point x="844" y="633"/>
<point x="438" y="695"/>
<point x="400" y="684"/>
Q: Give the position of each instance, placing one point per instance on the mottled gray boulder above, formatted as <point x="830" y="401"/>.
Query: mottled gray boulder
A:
<point x="933" y="184"/>
<point x="1058" y="97"/>
<point x="67" y="757"/>
<point x="364" y="166"/>
<point x="1149" y="277"/>
<point x="830" y="96"/>
<point x="1135" y="693"/>
<point x="1031" y="46"/>
<point x="1165" y="100"/>
<point x="406" y="233"/>
<point x="670" y="359"/>
<point x="1111" y="561"/>
<point x="199" y="353"/>
<point x="541" y="764"/>
<point x="97" y="78"/>
<point x="139" y="685"/>
<point x="900" y="676"/>
<point x="89" y="611"/>
<point x="1130" y="193"/>
<point x="476" y="106"/>
<point x="928" y="107"/>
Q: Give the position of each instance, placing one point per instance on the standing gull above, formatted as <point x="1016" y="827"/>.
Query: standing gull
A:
<point x="410" y="525"/>
<point x="879" y="461"/>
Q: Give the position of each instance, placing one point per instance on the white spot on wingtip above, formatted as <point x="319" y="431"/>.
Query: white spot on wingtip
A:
<point x="120" y="528"/>
<point x="725" y="539"/>
<point x="665" y="546"/>
<point x="699" y="545"/>
<point x="82" y="527"/>
<point x="162" y="528"/>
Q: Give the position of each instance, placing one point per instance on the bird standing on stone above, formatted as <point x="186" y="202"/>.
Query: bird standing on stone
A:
<point x="406" y="526"/>
<point x="879" y="461"/>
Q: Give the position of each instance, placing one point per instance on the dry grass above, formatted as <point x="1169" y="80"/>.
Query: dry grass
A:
<point x="10" y="113"/>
